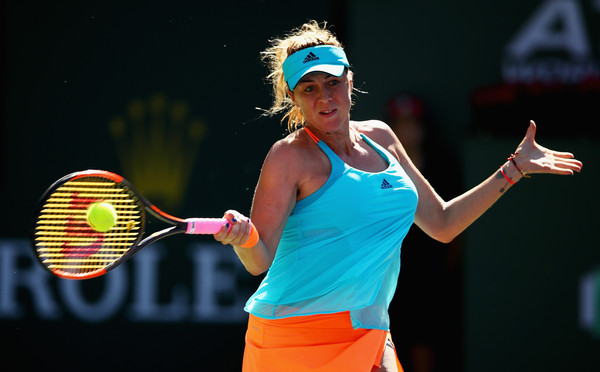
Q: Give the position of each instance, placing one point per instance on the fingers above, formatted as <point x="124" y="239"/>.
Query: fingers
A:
<point x="557" y="165"/>
<point x="565" y="155"/>
<point x="563" y="161"/>
<point x="236" y="231"/>
<point x="569" y="164"/>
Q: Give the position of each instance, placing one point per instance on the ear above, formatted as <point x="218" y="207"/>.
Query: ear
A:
<point x="291" y="95"/>
<point x="351" y="79"/>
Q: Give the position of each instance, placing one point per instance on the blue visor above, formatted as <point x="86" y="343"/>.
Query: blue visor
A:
<point x="321" y="58"/>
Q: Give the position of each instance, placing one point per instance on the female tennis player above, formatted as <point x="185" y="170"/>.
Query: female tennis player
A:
<point x="333" y="203"/>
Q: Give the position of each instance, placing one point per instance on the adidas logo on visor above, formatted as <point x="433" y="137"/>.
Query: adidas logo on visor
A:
<point x="310" y="57"/>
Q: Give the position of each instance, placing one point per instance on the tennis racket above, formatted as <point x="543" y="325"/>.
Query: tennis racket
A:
<point x="67" y="245"/>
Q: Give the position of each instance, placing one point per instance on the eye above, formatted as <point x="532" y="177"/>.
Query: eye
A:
<point x="309" y="88"/>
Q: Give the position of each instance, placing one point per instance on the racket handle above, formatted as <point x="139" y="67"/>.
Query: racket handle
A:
<point x="204" y="225"/>
<point x="213" y="225"/>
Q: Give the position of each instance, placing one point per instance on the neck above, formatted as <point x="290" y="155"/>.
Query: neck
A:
<point x="341" y="141"/>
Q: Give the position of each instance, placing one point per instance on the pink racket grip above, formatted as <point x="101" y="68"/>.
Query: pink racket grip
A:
<point x="204" y="225"/>
<point x="213" y="225"/>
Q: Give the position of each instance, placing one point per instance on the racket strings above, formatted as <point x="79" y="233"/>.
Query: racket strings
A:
<point x="67" y="244"/>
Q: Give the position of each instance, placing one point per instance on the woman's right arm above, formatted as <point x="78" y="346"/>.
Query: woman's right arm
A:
<point x="274" y="199"/>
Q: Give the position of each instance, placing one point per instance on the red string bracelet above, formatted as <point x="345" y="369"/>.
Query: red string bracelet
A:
<point x="507" y="178"/>
<point x="512" y="159"/>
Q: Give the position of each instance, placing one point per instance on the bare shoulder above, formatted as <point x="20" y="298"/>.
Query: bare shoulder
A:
<point x="287" y="151"/>
<point x="377" y="130"/>
<point x="381" y="133"/>
<point x="294" y="156"/>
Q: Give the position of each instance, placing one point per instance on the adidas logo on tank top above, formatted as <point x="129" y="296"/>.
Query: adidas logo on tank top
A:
<point x="386" y="185"/>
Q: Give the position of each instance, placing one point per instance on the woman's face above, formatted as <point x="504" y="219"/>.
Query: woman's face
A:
<point x="324" y="99"/>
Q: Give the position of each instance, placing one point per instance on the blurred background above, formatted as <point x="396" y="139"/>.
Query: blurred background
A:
<point x="170" y="95"/>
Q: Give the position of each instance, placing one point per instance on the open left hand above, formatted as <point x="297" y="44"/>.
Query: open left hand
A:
<point x="534" y="158"/>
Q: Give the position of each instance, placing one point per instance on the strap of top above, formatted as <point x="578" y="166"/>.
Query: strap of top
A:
<point x="334" y="158"/>
<point x="312" y="135"/>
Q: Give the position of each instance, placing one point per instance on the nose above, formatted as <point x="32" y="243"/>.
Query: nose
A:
<point x="325" y="94"/>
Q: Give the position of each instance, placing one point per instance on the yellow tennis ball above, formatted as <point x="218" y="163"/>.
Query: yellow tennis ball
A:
<point x="101" y="216"/>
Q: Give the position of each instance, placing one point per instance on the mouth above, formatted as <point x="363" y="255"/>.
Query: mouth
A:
<point x="328" y="112"/>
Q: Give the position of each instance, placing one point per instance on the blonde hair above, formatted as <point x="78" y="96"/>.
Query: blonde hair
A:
<point x="308" y="35"/>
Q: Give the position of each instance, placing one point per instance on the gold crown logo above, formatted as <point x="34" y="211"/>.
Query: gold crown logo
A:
<point x="157" y="145"/>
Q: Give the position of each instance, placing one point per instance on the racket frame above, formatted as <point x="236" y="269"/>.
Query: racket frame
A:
<point x="180" y="226"/>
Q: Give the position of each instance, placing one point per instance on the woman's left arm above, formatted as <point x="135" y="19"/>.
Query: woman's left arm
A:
<point x="443" y="220"/>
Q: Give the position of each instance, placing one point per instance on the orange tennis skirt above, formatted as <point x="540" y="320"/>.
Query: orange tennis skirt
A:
<point x="312" y="343"/>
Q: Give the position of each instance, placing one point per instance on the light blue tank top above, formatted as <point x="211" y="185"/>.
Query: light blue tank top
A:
<point x="340" y="248"/>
